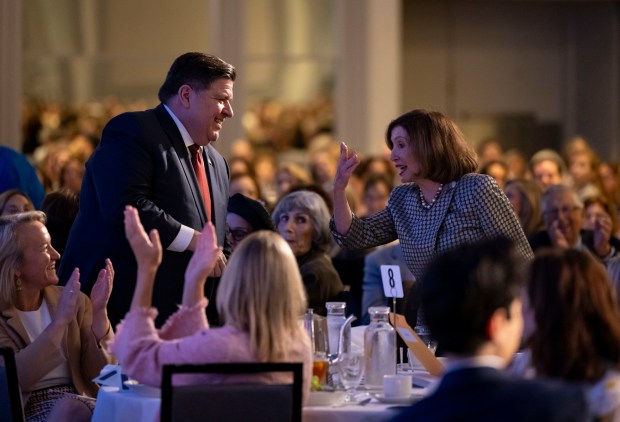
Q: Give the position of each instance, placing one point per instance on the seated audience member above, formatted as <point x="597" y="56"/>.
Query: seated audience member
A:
<point x="525" y="196"/>
<point x="260" y="299"/>
<point x="376" y="164"/>
<point x="489" y="149"/>
<point x="517" y="164"/>
<point x="609" y="172"/>
<point x="17" y="173"/>
<point x="471" y="300"/>
<point x="302" y="219"/>
<point x="245" y="216"/>
<point x="14" y="201"/>
<point x="498" y="170"/>
<point x="562" y="213"/>
<point x="58" y="333"/>
<point x="548" y="168"/>
<point x="288" y="175"/>
<point x="583" y="169"/>
<point x="372" y="287"/>
<point x="599" y="211"/>
<point x="71" y="175"/>
<point x="61" y="208"/>
<point x="572" y="326"/>
<point x="377" y="189"/>
<point x="240" y="165"/>
<point x="245" y="184"/>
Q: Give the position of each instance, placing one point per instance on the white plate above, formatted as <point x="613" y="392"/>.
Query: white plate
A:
<point x="397" y="400"/>
<point x="145" y="390"/>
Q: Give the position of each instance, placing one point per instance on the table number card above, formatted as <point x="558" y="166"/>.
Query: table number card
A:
<point x="417" y="346"/>
<point x="392" y="281"/>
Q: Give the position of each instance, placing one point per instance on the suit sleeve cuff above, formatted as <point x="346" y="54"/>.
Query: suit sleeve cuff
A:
<point x="182" y="240"/>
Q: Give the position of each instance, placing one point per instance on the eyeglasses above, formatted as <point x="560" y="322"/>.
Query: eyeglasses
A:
<point x="554" y="213"/>
<point x="237" y="234"/>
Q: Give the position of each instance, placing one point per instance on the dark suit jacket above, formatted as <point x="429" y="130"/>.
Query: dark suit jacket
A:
<point x="486" y="394"/>
<point x="541" y="239"/>
<point x="141" y="161"/>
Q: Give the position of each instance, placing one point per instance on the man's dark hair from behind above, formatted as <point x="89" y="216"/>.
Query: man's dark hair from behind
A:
<point x="463" y="287"/>
<point x="197" y="70"/>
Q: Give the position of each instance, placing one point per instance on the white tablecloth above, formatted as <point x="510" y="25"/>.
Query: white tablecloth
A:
<point x="136" y="406"/>
<point x="125" y="406"/>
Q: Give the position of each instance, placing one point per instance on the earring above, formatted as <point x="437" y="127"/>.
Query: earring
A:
<point x="18" y="284"/>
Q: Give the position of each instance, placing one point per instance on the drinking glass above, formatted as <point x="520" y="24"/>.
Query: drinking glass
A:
<point x="350" y="369"/>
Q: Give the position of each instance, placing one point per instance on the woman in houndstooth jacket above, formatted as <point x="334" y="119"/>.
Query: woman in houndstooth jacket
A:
<point x="441" y="204"/>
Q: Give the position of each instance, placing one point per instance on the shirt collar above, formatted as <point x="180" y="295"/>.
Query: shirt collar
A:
<point x="187" y="139"/>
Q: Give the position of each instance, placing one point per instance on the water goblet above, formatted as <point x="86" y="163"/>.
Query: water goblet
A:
<point x="350" y="369"/>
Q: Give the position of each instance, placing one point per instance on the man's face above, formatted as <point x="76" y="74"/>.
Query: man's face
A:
<point x="561" y="208"/>
<point x="547" y="173"/>
<point x="206" y="110"/>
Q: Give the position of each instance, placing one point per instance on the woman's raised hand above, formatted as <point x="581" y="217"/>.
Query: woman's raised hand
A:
<point x="147" y="249"/>
<point x="100" y="294"/>
<point x="346" y="165"/>
<point x="206" y="256"/>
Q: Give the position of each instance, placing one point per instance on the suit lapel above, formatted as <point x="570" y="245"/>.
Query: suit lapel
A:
<point x="171" y="130"/>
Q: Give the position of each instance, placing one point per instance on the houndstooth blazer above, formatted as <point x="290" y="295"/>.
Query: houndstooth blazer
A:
<point x="468" y="210"/>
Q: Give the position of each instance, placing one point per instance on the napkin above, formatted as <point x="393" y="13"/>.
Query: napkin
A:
<point x="112" y="375"/>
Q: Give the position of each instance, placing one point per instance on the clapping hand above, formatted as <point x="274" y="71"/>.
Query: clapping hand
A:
<point x="147" y="249"/>
<point x="346" y="165"/>
<point x="602" y="234"/>
<point x="557" y="237"/>
<point x="67" y="304"/>
<point x="100" y="294"/>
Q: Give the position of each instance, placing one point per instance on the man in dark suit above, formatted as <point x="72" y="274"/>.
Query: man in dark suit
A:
<point x="145" y="160"/>
<point x="471" y="301"/>
<point x="562" y="213"/>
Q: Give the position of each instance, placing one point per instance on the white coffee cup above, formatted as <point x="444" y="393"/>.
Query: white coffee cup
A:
<point x="397" y="386"/>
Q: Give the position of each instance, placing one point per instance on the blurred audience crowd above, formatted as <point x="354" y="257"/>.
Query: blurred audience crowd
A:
<point x="281" y="181"/>
<point x="290" y="148"/>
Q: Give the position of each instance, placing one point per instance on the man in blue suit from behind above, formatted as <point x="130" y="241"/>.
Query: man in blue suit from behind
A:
<point x="144" y="160"/>
<point x="471" y="300"/>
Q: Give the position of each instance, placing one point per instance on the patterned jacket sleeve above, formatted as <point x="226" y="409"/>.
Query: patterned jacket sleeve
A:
<point x="497" y="217"/>
<point x="368" y="232"/>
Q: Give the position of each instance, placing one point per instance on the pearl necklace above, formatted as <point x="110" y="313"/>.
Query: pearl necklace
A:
<point x="428" y="205"/>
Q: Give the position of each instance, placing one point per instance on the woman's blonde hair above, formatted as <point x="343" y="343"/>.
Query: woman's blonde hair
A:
<point x="11" y="253"/>
<point x="261" y="293"/>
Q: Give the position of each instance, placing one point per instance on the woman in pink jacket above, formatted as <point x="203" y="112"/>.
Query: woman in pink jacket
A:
<point x="260" y="297"/>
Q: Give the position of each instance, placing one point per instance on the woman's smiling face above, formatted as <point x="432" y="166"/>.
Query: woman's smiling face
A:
<point x="402" y="156"/>
<point x="38" y="265"/>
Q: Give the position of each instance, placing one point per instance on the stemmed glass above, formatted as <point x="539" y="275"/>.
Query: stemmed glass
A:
<point x="350" y="369"/>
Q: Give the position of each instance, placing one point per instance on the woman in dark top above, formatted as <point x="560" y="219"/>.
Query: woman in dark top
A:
<point x="302" y="220"/>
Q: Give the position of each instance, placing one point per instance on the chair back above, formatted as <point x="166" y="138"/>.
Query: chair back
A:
<point x="10" y="395"/>
<point x="232" y="402"/>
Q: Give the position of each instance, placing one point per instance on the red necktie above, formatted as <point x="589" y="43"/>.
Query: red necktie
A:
<point x="201" y="175"/>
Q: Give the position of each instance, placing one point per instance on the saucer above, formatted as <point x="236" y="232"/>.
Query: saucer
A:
<point x="397" y="400"/>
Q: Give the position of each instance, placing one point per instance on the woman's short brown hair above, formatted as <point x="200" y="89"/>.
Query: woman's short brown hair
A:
<point x="438" y="144"/>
